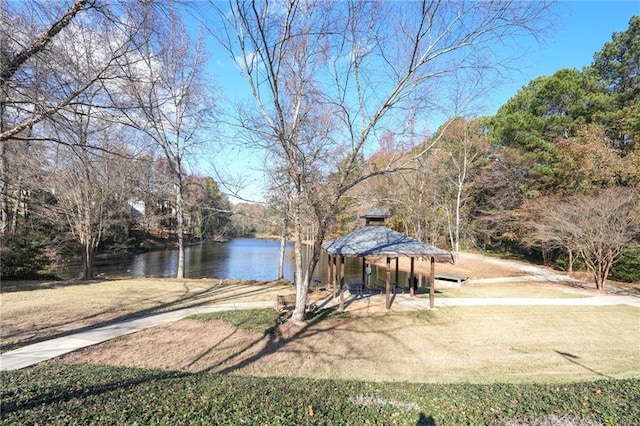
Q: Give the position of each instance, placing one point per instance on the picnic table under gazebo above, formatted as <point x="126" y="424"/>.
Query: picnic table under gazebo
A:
<point x="374" y="239"/>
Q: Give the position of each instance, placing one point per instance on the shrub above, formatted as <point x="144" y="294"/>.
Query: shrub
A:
<point x="55" y="394"/>
<point x="627" y="268"/>
<point x="22" y="256"/>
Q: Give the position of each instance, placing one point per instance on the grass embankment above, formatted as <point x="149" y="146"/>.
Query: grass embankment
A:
<point x="88" y="394"/>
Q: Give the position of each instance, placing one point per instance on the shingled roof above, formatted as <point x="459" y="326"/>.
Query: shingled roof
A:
<point x="381" y="241"/>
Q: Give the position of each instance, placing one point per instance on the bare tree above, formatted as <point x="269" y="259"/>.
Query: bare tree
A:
<point x="463" y="143"/>
<point x="597" y="227"/>
<point x="85" y="178"/>
<point x="89" y="187"/>
<point x="29" y="54"/>
<point x="167" y="100"/>
<point x="329" y="77"/>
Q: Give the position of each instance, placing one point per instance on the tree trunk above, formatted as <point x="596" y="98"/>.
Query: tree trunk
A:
<point x="4" y="178"/>
<point x="88" y="257"/>
<point x="571" y="260"/>
<point x="283" y="242"/>
<point x="180" y="230"/>
<point x="16" y="206"/>
<point x="451" y="233"/>
<point x="301" y="279"/>
<point x="456" y="249"/>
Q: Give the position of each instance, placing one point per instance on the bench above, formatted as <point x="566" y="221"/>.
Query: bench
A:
<point x="450" y="280"/>
<point x="456" y="278"/>
<point x="355" y="286"/>
<point x="394" y="286"/>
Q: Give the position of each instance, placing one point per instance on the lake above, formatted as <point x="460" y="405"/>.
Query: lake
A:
<point x="239" y="258"/>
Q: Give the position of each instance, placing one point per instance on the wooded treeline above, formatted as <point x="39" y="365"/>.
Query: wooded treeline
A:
<point x="554" y="176"/>
<point x="103" y="105"/>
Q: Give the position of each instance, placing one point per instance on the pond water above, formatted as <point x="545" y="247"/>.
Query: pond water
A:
<point x="240" y="258"/>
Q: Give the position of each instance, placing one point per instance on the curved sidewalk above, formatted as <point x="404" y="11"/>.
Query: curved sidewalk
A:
<point x="42" y="351"/>
<point x="38" y="352"/>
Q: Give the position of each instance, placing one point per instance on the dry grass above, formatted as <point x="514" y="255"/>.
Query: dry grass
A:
<point x="48" y="309"/>
<point x="474" y="344"/>
<point x="518" y="289"/>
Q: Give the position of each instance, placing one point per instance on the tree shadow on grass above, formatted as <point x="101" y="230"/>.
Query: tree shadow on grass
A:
<point x="187" y="300"/>
<point x="322" y="321"/>
<point x="423" y="420"/>
<point x="573" y="359"/>
<point x="273" y="341"/>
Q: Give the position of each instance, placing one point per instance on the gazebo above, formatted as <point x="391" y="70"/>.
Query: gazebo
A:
<point x="376" y="239"/>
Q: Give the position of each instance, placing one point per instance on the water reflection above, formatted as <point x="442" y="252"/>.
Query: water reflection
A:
<point x="241" y="258"/>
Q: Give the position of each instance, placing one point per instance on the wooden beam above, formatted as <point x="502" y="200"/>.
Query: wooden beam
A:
<point x="331" y="278"/>
<point x="341" y="290"/>
<point x="397" y="270"/>
<point x="364" y="266"/>
<point x="336" y="272"/>
<point x="432" y="284"/>
<point x="411" y="289"/>
<point x="388" y="284"/>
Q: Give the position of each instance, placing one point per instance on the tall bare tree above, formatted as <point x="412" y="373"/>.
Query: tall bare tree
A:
<point x="463" y="142"/>
<point x="167" y="99"/>
<point x="88" y="157"/>
<point x="328" y="77"/>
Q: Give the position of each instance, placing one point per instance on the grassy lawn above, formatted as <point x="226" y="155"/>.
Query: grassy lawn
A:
<point x="89" y="394"/>
<point x="519" y="290"/>
<point x="503" y="365"/>
<point x="472" y="344"/>
<point x="36" y="310"/>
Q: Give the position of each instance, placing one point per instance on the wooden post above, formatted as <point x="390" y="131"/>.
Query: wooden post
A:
<point x="397" y="270"/>
<point x="388" y="283"/>
<point x="364" y="266"/>
<point x="334" y="290"/>
<point x="432" y="283"/>
<point x="329" y="270"/>
<point x="341" y="290"/>
<point x="411" y="289"/>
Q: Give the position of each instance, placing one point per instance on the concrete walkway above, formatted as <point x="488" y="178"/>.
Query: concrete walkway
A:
<point x="38" y="352"/>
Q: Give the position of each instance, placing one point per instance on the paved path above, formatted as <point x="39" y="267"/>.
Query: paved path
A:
<point x="38" y="352"/>
<point x="534" y="272"/>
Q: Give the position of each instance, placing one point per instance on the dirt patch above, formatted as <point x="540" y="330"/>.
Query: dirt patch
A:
<point x="470" y="266"/>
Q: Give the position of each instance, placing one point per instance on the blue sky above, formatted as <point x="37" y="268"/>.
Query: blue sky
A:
<point x="581" y="29"/>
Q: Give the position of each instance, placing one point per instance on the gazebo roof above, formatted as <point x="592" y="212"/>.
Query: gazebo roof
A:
<point x="381" y="241"/>
<point x="376" y="213"/>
